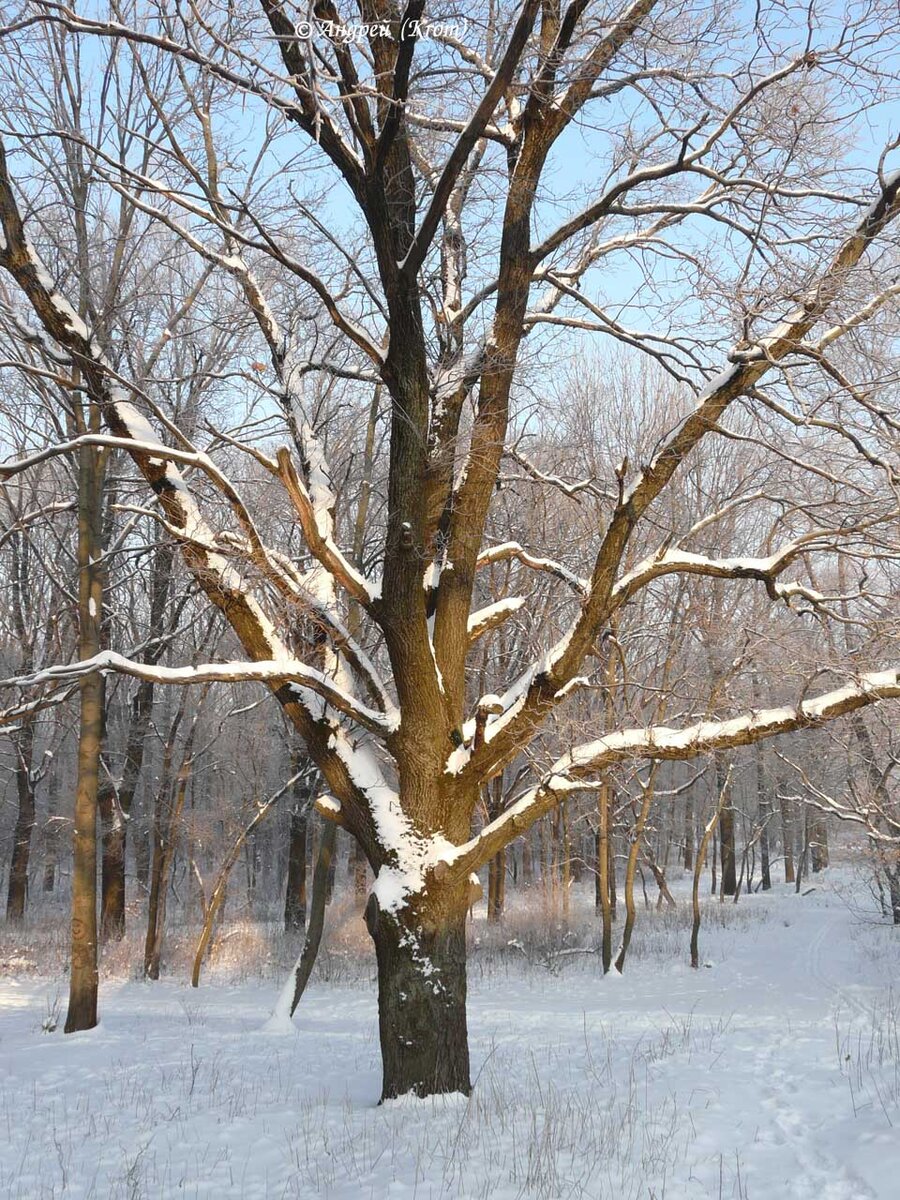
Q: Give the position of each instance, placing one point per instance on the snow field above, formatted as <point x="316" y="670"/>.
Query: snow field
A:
<point x="765" y="1074"/>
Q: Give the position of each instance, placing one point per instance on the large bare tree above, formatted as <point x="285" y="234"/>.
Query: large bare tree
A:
<point x="439" y="213"/>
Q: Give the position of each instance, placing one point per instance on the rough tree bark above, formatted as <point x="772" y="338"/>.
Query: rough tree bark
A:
<point x="83" y="976"/>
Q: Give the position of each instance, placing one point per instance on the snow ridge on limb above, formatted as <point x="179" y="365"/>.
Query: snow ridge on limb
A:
<point x="277" y="670"/>
<point x="572" y="772"/>
<point x="547" y="677"/>
<point x="488" y="618"/>
<point x="669" y="561"/>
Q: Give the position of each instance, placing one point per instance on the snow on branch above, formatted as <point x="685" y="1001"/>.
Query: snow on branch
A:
<point x="577" y="770"/>
<point x="315" y="526"/>
<point x="10" y="717"/>
<point x="488" y="618"/>
<point x="507" y="550"/>
<point x="287" y="670"/>
<point x="766" y="570"/>
<point x="545" y="679"/>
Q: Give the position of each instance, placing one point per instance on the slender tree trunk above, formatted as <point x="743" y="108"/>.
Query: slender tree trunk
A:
<point x="217" y="897"/>
<point x="603" y="804"/>
<point x="83" y="977"/>
<point x="115" y="809"/>
<point x="143" y="855"/>
<point x="818" y="844"/>
<point x="497" y="866"/>
<point x="167" y="810"/>
<point x="51" y="833"/>
<point x="566" y="861"/>
<point x="496" y="886"/>
<point x="295" y="893"/>
<point x="630" y="868"/>
<point x="528" y="860"/>
<point x="763" y="804"/>
<point x="310" y="951"/>
<point x="765" y="867"/>
<point x="613" y="897"/>
<point x="726" y="833"/>
<point x="688" y="859"/>
<point x="787" y="833"/>
<point x="708" y="832"/>
<point x="360" y="875"/>
<point x="112" y="866"/>
<point x="23" y="740"/>
<point x="164" y="853"/>
<point x="23" y="745"/>
<point x="665" y="896"/>
<point x="893" y="878"/>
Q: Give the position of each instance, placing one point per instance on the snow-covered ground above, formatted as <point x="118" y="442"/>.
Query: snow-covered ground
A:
<point x="772" y="1072"/>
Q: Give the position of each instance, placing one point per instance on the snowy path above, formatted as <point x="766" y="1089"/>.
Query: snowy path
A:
<point x="765" y="1075"/>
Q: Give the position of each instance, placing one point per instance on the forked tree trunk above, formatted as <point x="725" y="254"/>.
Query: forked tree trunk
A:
<point x="421" y="999"/>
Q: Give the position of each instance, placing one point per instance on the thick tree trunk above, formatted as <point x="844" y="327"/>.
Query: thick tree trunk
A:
<point x="21" y="852"/>
<point x="421" y="1000"/>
